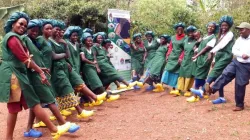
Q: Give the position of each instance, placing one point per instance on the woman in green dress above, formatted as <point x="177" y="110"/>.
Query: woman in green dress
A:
<point x="223" y="56"/>
<point x="45" y="92"/>
<point x="138" y="57"/>
<point x="174" y="57"/>
<point x="202" y="64"/>
<point x="156" y="65"/>
<point x="90" y="69"/>
<point x="186" y="79"/>
<point x="151" y="45"/>
<point x="16" y="62"/>
<point x="65" y="80"/>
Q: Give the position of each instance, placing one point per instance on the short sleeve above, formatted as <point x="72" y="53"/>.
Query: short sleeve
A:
<point x="212" y="42"/>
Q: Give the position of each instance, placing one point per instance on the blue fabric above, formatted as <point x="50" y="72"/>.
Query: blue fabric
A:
<point x="33" y="133"/>
<point x="219" y="100"/>
<point x="73" y="128"/>
<point x="170" y="78"/>
<point x="199" y="83"/>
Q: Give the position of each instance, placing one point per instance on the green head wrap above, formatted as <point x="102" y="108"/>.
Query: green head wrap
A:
<point x="136" y="35"/>
<point x="216" y="30"/>
<point x="191" y="28"/>
<point x="227" y="19"/>
<point x="60" y="24"/>
<point x="34" y="23"/>
<point x="106" y="41"/>
<point x="72" y="29"/>
<point x="150" y="33"/>
<point x="180" y="24"/>
<point x="46" y="21"/>
<point x="103" y="34"/>
<point x="167" y="37"/>
<point x="88" y="30"/>
<point x="13" y="18"/>
<point x="85" y="36"/>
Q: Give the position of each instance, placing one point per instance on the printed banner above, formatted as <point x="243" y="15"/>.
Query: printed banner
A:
<point x="118" y="33"/>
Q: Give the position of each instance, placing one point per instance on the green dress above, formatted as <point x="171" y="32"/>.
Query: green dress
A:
<point x="89" y="72"/>
<point x="9" y="65"/>
<point x="187" y="64"/>
<point x="158" y="61"/>
<point x="46" y="50"/>
<point x="62" y="79"/>
<point x="202" y="66"/>
<point x="173" y="65"/>
<point x="74" y="56"/>
<point x="222" y="58"/>
<point x="108" y="72"/>
<point x="137" y="57"/>
<point x="150" y="51"/>
<point x="45" y="92"/>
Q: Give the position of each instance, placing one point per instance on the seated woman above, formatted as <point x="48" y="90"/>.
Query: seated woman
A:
<point x="156" y="65"/>
<point x="90" y="69"/>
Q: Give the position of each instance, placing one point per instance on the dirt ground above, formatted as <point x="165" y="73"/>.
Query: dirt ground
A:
<point x="141" y="115"/>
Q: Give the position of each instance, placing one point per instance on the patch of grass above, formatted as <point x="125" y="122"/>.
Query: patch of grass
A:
<point x="235" y="133"/>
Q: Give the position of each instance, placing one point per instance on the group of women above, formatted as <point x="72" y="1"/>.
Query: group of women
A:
<point x="46" y="65"/>
<point x="188" y="63"/>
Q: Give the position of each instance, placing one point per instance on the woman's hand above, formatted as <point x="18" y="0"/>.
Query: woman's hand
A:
<point x="210" y="57"/>
<point x="44" y="79"/>
<point x="69" y="67"/>
<point x="98" y="70"/>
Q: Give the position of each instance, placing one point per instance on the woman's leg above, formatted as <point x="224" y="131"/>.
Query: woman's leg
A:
<point x="54" y="109"/>
<point x="11" y="123"/>
<point x="31" y="120"/>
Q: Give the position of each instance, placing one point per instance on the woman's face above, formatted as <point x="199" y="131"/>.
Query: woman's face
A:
<point x="108" y="45"/>
<point x="197" y="35"/>
<point x="191" y="34"/>
<point x="89" y="42"/>
<point x="211" y="28"/>
<point x="20" y="26"/>
<point x="138" y="39"/>
<point x="74" y="37"/>
<point x="149" y="37"/>
<point x="179" y="31"/>
<point x="224" y="27"/>
<point x="47" y="30"/>
<point x="163" y="40"/>
<point x="55" y="31"/>
<point x="61" y="33"/>
<point x="33" y="32"/>
<point x="99" y="39"/>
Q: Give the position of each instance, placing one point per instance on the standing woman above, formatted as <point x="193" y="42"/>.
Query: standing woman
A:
<point x="156" y="65"/>
<point x="45" y="92"/>
<point x="186" y="79"/>
<point x="151" y="45"/>
<point x="223" y="55"/>
<point x="138" y="56"/>
<point x="72" y="35"/>
<point x="65" y="80"/>
<point x="174" y="57"/>
<point x="202" y="65"/>
<point x="16" y="61"/>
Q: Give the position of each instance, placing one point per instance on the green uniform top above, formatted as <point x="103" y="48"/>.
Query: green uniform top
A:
<point x="74" y="56"/>
<point x="137" y="57"/>
<point x="178" y="45"/>
<point x="151" y="49"/>
<point x="202" y="65"/>
<point x="187" y="63"/>
<point x="46" y="50"/>
<point x="11" y="65"/>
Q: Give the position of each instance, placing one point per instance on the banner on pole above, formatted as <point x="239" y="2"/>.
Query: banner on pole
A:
<point x="118" y="33"/>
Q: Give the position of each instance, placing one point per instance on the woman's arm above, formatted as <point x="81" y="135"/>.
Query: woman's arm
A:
<point x="84" y="59"/>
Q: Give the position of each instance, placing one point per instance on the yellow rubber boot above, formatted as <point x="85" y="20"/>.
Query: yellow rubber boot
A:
<point x="85" y="114"/>
<point x="121" y="87"/>
<point x="52" y="118"/>
<point x="158" y="88"/>
<point x="140" y="84"/>
<point x="65" y="112"/>
<point x="72" y="109"/>
<point x="62" y="129"/>
<point x="97" y="103"/>
<point x="39" y="124"/>
<point x="175" y="92"/>
<point x="102" y="96"/>
<point x="205" y="96"/>
<point x="113" y="98"/>
<point x="187" y="94"/>
<point x="193" y="99"/>
<point x="132" y="84"/>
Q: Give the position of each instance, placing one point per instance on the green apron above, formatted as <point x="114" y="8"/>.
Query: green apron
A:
<point x="46" y="50"/>
<point x="63" y="81"/>
<point x="222" y="58"/>
<point x="137" y="60"/>
<point x="108" y="72"/>
<point x="11" y="64"/>
<point x="173" y="65"/>
<point x="45" y="92"/>
<point x="89" y="72"/>
<point x="150" y="51"/>
<point x="74" y="56"/>
<point x="187" y="64"/>
<point x="202" y="66"/>
<point x="158" y="61"/>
